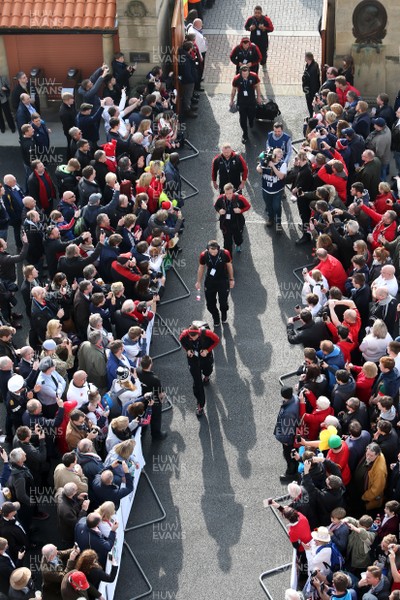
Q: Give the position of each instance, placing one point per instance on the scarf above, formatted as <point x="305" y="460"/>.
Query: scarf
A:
<point x="43" y="197"/>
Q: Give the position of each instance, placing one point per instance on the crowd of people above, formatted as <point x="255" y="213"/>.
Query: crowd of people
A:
<point x="339" y="423"/>
<point x="95" y="239"/>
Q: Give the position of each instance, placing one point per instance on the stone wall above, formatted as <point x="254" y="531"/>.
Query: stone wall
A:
<point x="374" y="72"/>
<point x="144" y="27"/>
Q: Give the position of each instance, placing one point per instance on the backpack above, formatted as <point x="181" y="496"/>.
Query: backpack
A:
<point x="111" y="401"/>
<point x="268" y="111"/>
<point x="337" y="560"/>
<point x="80" y="227"/>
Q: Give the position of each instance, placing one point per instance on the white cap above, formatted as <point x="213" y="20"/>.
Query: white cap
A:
<point x="16" y="383"/>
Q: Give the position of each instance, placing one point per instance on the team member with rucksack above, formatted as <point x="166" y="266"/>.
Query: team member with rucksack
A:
<point x="199" y="343"/>
<point x="219" y="279"/>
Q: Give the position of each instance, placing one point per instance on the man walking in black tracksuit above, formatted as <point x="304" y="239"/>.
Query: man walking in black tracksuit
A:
<point x="229" y="167"/>
<point x="230" y="207"/>
<point x="219" y="279"/>
<point x="247" y="87"/>
<point x="199" y="342"/>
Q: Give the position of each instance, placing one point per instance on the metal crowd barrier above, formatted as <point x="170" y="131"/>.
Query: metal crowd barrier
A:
<point x="167" y="405"/>
<point x="280" y="568"/>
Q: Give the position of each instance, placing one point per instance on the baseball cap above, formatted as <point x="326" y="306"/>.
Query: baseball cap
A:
<point x="15" y="383"/>
<point x="46" y="364"/>
<point x="348" y="131"/>
<point x="78" y="581"/>
<point x="380" y="121"/>
<point x="94" y="199"/>
<point x="49" y="345"/>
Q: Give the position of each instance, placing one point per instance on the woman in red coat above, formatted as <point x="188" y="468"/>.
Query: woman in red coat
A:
<point x="312" y="422"/>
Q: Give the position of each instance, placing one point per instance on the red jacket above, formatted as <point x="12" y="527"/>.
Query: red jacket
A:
<point x="363" y="384"/>
<point x="125" y="272"/>
<point x="153" y="194"/>
<point x="342" y="93"/>
<point x="339" y="182"/>
<point x="140" y="317"/>
<point x="300" y="532"/>
<point x="208" y="340"/>
<point x="380" y="204"/>
<point x="388" y="231"/>
<point x="341" y="459"/>
<point x="334" y="272"/>
<point x="313" y="421"/>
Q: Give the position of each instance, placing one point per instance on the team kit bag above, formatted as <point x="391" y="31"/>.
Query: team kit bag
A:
<point x="267" y="111"/>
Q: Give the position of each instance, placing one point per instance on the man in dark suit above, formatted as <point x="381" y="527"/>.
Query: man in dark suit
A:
<point x="7" y="565"/>
<point x="82" y="308"/>
<point x="24" y="111"/>
<point x="24" y="86"/>
<point x="12" y="198"/>
<point x="67" y="114"/>
<point x="12" y="530"/>
<point x="88" y="535"/>
<point x="310" y="333"/>
<point x="70" y="508"/>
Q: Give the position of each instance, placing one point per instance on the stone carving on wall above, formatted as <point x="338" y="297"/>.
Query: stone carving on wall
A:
<point x="369" y="23"/>
<point x="136" y="9"/>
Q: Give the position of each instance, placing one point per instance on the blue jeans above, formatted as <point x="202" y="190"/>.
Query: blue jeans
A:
<point x="396" y="156"/>
<point x="384" y="172"/>
<point x="273" y="205"/>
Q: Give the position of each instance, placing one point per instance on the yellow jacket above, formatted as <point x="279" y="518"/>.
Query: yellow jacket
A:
<point x="377" y="476"/>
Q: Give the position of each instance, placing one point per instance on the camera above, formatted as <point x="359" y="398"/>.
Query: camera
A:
<point x="293" y="452"/>
<point x="268" y="155"/>
<point x="314" y="573"/>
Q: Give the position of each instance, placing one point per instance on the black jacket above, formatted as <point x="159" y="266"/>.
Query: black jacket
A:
<point x="88" y="538"/>
<point x="28" y="150"/>
<point x="73" y="267"/>
<point x="6" y="568"/>
<point x="123" y="322"/>
<point x="15" y="534"/>
<point x="311" y="80"/>
<point x="41" y="315"/>
<point x="310" y="334"/>
<point x="69" y="511"/>
<point x="8" y="262"/>
<point x="53" y="249"/>
<point x="325" y="500"/>
<point x="67" y="116"/>
<point x="91" y="464"/>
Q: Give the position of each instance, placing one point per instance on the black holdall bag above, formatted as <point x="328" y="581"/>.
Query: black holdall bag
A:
<point x="267" y="111"/>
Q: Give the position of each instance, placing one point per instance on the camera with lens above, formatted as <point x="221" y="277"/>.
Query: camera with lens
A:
<point x="268" y="156"/>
